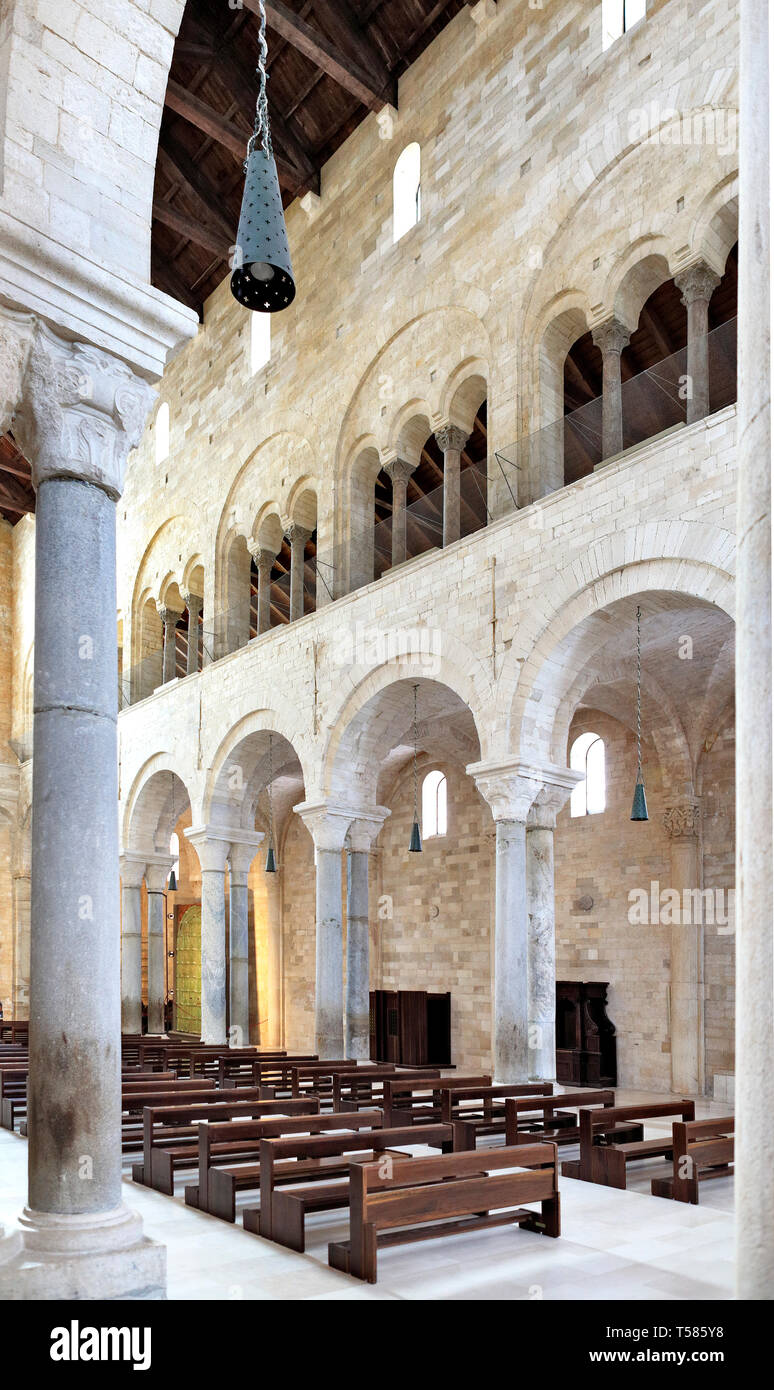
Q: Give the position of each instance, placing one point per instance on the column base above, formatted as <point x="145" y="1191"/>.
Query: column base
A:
<point x="98" y="1256"/>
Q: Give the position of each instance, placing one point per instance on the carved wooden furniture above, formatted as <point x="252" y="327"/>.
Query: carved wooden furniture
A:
<point x="585" y="1037"/>
<point x="410" y="1027"/>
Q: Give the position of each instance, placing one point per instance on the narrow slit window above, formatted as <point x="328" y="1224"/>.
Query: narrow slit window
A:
<point x="406" y="192"/>
<point x="260" y="341"/>
<point x="587" y="755"/>
<point x="433" y="805"/>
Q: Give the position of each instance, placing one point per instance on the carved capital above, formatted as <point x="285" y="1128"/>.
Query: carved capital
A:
<point x="193" y="602"/>
<point x="399" y="470"/>
<point x="512" y="788"/>
<point x="264" y="559"/>
<point x="169" y="616"/>
<point x="682" y="821"/>
<point x="364" y="830"/>
<point x="326" y="822"/>
<point x="697" y="281"/>
<point x="81" y="410"/>
<point x="17" y="332"/>
<point x="297" y="534"/>
<point x="451" y="437"/>
<point x="611" y="336"/>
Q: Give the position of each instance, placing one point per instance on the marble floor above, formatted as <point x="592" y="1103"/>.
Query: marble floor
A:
<point x="614" y="1245"/>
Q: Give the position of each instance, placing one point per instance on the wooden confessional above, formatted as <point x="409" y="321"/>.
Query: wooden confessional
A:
<point x="585" y="1037"/>
<point x="410" y="1026"/>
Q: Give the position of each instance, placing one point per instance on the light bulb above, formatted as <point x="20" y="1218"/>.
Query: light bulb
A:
<point x="261" y="270"/>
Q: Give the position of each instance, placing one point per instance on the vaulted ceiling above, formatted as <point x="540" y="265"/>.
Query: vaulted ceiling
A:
<point x="330" y="63"/>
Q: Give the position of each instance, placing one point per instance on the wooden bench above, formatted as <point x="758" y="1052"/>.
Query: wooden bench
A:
<point x="224" y="1181"/>
<point x="458" y="1191"/>
<point x="252" y="1071"/>
<point x="283" y="1209"/>
<point x="701" y="1150"/>
<point x="363" y="1087"/>
<point x="483" y="1107"/>
<point x="603" y="1160"/>
<point x="553" y="1117"/>
<point x="170" y="1139"/>
<point x="417" y="1099"/>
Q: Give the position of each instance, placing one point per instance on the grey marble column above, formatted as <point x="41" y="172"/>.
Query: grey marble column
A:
<point x="132" y="875"/>
<point x="193" y="603"/>
<point x="357" y="1040"/>
<point x="328" y="827"/>
<point x="240" y="858"/>
<point x="697" y="283"/>
<point x="264" y="561"/>
<point x="156" y="878"/>
<point x="681" y="822"/>
<point x="451" y="440"/>
<point x="212" y="846"/>
<point x="754" y="1161"/>
<point x="275" y="1032"/>
<point x="170" y="618"/>
<point x="80" y="412"/>
<point x="541" y="904"/>
<point x="298" y="537"/>
<point x="611" y="339"/>
<point x="399" y="471"/>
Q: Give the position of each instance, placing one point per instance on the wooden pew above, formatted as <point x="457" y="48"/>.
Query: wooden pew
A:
<point x="701" y="1150"/>
<point x="13" y="1091"/>
<point x="138" y="1095"/>
<point x="460" y="1191"/>
<point x="543" y="1117"/>
<point x="282" y="1212"/>
<point x="236" y="1069"/>
<point x="483" y="1107"/>
<point x="363" y="1087"/>
<point x="171" y="1132"/>
<point x="223" y="1182"/>
<point x="604" y="1161"/>
<point x="417" y="1099"/>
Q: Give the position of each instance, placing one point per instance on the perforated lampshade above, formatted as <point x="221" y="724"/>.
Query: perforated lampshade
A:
<point x="415" y="846"/>
<point x="639" y="804"/>
<point x="271" y="863"/>
<point x="172" y="882"/>
<point x="263" y="276"/>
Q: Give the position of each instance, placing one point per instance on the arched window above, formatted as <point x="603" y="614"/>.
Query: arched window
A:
<point x="433" y="805"/>
<point x="174" y="849"/>
<point x="587" y="755"/>
<point x="406" y="194"/>
<point x="260" y="341"/>
<point x="618" y="17"/>
<point x="162" y="433"/>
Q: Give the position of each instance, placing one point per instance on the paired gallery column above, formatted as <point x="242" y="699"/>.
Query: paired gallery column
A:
<point x="212" y="845"/>
<point x="241" y="856"/>
<point x="132" y="869"/>
<point x="193" y="603"/>
<point x="611" y="339"/>
<point x="541" y="911"/>
<point x="451" y="440"/>
<point x="156" y="879"/>
<point x="298" y="537"/>
<point x="697" y="282"/>
<point x="681" y="823"/>
<point x="80" y="412"/>
<point x="399" y="471"/>
<point x="362" y="833"/>
<point x="328" y="826"/>
<point x="264" y="561"/>
<point x="754" y="1160"/>
<point x="169" y="618"/>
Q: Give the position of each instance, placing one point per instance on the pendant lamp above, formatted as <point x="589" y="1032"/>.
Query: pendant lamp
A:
<point x="639" y="804"/>
<point x="271" y="862"/>
<point x="415" y="844"/>
<point x="262" y="277"/>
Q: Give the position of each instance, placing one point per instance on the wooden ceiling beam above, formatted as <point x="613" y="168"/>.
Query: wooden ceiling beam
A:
<point x="191" y="228"/>
<point x="179" y="165"/>
<point x="369" y="87"/>
<point x="198" y="113"/>
<point x="344" y="27"/>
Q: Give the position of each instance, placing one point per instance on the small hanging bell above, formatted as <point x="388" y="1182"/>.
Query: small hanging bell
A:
<point x="271" y="863"/>
<point x="639" y="804"/>
<point x="415" y="847"/>
<point x="172" y="882"/>
<point x="263" y="276"/>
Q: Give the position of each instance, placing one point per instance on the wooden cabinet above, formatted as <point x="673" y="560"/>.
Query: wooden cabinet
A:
<point x="410" y="1026"/>
<point x="585" y="1037"/>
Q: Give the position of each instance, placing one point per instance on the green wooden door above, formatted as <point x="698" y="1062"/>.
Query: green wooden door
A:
<point x="188" y="972"/>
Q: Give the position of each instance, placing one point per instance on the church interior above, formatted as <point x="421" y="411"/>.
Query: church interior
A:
<point x="385" y="664"/>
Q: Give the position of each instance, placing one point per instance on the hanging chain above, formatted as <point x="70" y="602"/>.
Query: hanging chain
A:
<point x="416" y="736"/>
<point x="261" y="136"/>
<point x="271" y="779"/>
<point x="639" y="698"/>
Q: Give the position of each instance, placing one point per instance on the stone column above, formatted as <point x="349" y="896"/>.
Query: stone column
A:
<point x="328" y="827"/>
<point x="170" y="618"/>
<point x="193" y="603"/>
<point x="274" y="962"/>
<point x="754" y="939"/>
<point x="212" y="846"/>
<point x="298" y="537"/>
<point x="541" y="908"/>
<point x="80" y="412"/>
<point x="451" y="440"/>
<point x="132" y="874"/>
<point x="611" y="339"/>
<point x="399" y="471"/>
<point x="156" y="879"/>
<point x="697" y="283"/>
<point x="357" y="1040"/>
<point x="240" y="858"/>
<point x="686" y="953"/>
<point x="264" y="560"/>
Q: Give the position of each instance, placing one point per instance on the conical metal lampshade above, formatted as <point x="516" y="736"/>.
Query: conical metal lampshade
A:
<point x="271" y="863"/>
<point x="172" y="882"/>
<point x="639" y="804"/>
<point x="263" y="276"/>
<point x="415" y="847"/>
